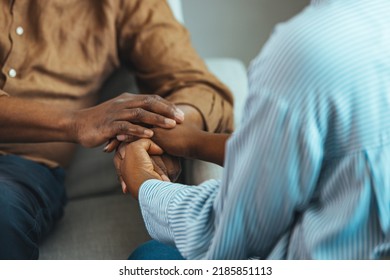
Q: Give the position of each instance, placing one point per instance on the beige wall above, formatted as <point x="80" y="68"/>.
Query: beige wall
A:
<point x="235" y="28"/>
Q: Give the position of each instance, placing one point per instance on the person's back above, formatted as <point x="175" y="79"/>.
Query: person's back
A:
<point x="331" y="83"/>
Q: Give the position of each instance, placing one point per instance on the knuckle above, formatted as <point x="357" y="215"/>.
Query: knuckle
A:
<point x="122" y="98"/>
<point x="139" y="130"/>
<point x="157" y="119"/>
<point x="125" y="95"/>
<point x="157" y="98"/>
<point x="119" y="101"/>
<point x="135" y="131"/>
<point x="148" y="101"/>
<point x="137" y="113"/>
<point x="122" y="126"/>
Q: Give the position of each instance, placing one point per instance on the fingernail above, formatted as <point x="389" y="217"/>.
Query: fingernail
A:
<point x="165" y="178"/>
<point x="106" y="148"/>
<point x="148" y="133"/>
<point x="179" y="114"/>
<point x="121" y="137"/>
<point x="170" y="122"/>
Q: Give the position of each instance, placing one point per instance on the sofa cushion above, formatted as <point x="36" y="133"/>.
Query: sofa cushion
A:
<point x="92" y="172"/>
<point x="106" y="227"/>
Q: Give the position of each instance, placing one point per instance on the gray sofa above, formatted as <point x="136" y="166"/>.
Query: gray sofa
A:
<point x="99" y="221"/>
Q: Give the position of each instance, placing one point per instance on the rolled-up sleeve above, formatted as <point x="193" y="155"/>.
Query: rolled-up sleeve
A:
<point x="157" y="48"/>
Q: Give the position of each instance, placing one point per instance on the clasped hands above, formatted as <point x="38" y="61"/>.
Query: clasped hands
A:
<point x="136" y="162"/>
<point x="139" y="159"/>
<point x="127" y="118"/>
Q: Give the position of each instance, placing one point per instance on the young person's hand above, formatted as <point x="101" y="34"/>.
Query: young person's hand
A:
<point x="180" y="141"/>
<point x="190" y="142"/>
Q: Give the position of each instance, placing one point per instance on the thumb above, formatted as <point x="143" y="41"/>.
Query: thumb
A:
<point x="151" y="147"/>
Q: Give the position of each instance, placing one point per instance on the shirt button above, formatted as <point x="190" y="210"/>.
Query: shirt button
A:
<point x="19" y="30"/>
<point x="12" y="73"/>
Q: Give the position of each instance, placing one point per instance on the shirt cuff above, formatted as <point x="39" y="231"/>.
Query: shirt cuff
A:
<point x="154" y="199"/>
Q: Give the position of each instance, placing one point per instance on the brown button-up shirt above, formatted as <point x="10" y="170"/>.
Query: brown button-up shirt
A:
<point x="61" y="52"/>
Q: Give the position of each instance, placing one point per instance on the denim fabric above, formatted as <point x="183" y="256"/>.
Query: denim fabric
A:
<point x="32" y="197"/>
<point x="154" y="250"/>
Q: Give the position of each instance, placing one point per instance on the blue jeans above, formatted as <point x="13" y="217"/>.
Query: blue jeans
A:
<point x="32" y="197"/>
<point x="154" y="250"/>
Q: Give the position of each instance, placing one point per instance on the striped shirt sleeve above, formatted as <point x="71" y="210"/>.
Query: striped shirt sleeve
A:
<point x="159" y="200"/>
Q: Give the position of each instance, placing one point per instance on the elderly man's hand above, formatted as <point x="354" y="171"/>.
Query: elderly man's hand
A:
<point x="192" y="120"/>
<point x="123" y="117"/>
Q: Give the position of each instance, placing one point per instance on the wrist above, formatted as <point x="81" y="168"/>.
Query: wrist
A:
<point x="71" y="126"/>
<point x="197" y="144"/>
<point x="210" y="147"/>
<point x="137" y="181"/>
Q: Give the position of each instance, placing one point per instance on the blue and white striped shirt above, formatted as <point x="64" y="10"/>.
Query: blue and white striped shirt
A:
<point x="307" y="174"/>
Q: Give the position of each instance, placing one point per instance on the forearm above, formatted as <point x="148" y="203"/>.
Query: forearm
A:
<point x="189" y="140"/>
<point x="207" y="146"/>
<point x="22" y="121"/>
<point x="210" y="147"/>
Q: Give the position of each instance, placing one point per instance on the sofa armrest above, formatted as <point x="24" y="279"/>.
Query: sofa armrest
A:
<point x="232" y="73"/>
<point x="177" y="9"/>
